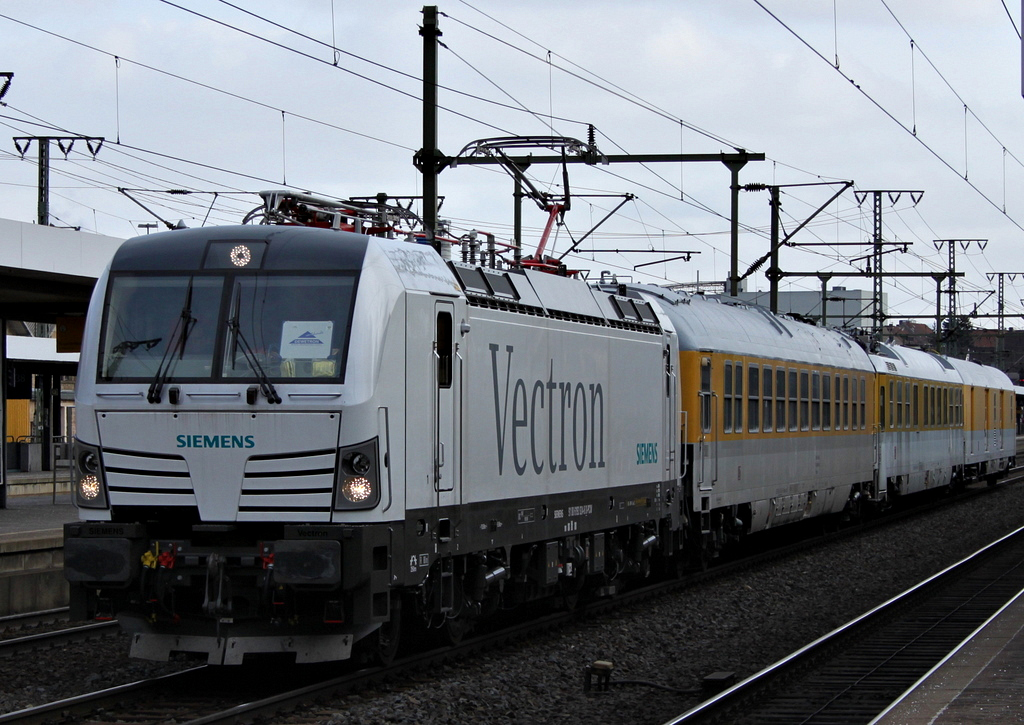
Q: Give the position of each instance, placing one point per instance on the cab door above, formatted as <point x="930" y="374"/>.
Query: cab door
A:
<point x="446" y="383"/>
<point x="669" y="426"/>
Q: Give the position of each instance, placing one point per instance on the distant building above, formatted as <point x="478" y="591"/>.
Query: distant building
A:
<point x="844" y="307"/>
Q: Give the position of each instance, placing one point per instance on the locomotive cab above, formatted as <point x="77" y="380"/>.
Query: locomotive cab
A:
<point x="232" y="464"/>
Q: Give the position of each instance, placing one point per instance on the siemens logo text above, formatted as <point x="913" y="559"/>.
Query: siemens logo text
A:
<point x="202" y="441"/>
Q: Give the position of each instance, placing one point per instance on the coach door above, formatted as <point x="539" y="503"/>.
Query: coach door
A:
<point x="670" y="429"/>
<point x="447" y="378"/>
<point x="707" y="468"/>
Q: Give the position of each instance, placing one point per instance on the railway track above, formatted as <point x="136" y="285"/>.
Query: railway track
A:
<point x="164" y="699"/>
<point x="13" y="623"/>
<point x="852" y="674"/>
<point x="62" y="636"/>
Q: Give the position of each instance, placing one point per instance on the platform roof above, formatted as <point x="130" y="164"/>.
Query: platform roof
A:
<point x="47" y="272"/>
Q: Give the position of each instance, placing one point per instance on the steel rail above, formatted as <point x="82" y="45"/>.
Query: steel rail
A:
<point x="860" y="668"/>
<point x="66" y="635"/>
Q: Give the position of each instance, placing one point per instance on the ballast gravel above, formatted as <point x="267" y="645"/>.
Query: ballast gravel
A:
<point x="661" y="650"/>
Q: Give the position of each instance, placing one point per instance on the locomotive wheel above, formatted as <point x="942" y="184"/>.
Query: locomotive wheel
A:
<point x="456" y="626"/>
<point x="700" y="558"/>
<point x="567" y="601"/>
<point x="381" y="647"/>
<point x="454" y="629"/>
<point x="674" y="566"/>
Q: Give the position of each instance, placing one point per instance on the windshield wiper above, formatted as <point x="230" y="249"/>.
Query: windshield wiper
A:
<point x="238" y="340"/>
<point x="175" y="344"/>
<point x="130" y="345"/>
<point x="118" y="352"/>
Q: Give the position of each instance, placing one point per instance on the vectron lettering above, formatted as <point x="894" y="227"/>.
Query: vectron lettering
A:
<point x="549" y="424"/>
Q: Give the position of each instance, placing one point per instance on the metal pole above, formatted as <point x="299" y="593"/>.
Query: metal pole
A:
<point x="734" y="253"/>
<point x="44" y="182"/>
<point x="1000" y="326"/>
<point x="773" y="270"/>
<point x="824" y="298"/>
<point x="876" y="260"/>
<point x="517" y="222"/>
<point x="429" y="153"/>
<point x="954" y="328"/>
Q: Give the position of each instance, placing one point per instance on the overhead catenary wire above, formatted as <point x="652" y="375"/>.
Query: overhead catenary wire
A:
<point x="374" y="63"/>
<point x="200" y="84"/>
<point x="205" y="85"/>
<point x="608" y="87"/>
<point x="890" y="115"/>
<point x="696" y="205"/>
<point x="309" y="56"/>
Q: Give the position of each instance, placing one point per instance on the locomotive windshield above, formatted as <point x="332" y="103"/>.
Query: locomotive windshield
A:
<point x="201" y="327"/>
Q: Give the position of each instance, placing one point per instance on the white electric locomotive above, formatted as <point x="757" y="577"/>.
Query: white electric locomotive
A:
<point x="290" y="439"/>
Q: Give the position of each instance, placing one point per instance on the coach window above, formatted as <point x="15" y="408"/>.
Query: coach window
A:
<point x="913" y="406"/>
<point x="753" y="398"/>
<point x="863" y="403"/>
<point x="766" y="377"/>
<point x="792" y="400"/>
<point x="853" y="403"/>
<point x="727" y="399"/>
<point x="881" y="405"/>
<point x="945" y="406"/>
<point x="805" y="405"/>
<point x="837" y="402"/>
<point x="826" y="401"/>
<point x="705" y="397"/>
<point x="738" y="399"/>
<point x="846" y="403"/>
<point x="892" y="411"/>
<point x="899" y="403"/>
<point x="931" y="405"/>
<point x="780" y="399"/>
<point x="815" y="400"/>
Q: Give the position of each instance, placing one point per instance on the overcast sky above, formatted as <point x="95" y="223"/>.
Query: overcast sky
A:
<point x="202" y="96"/>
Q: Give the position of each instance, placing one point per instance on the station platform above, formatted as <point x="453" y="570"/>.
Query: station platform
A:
<point x="981" y="682"/>
<point x="32" y="546"/>
<point x="36" y="506"/>
<point x="36" y="515"/>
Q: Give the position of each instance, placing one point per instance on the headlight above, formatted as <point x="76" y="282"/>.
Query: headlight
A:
<point x="357" y="489"/>
<point x="90" y="487"/>
<point x="359" y="463"/>
<point x="358" y="482"/>
<point x="89" y="462"/>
